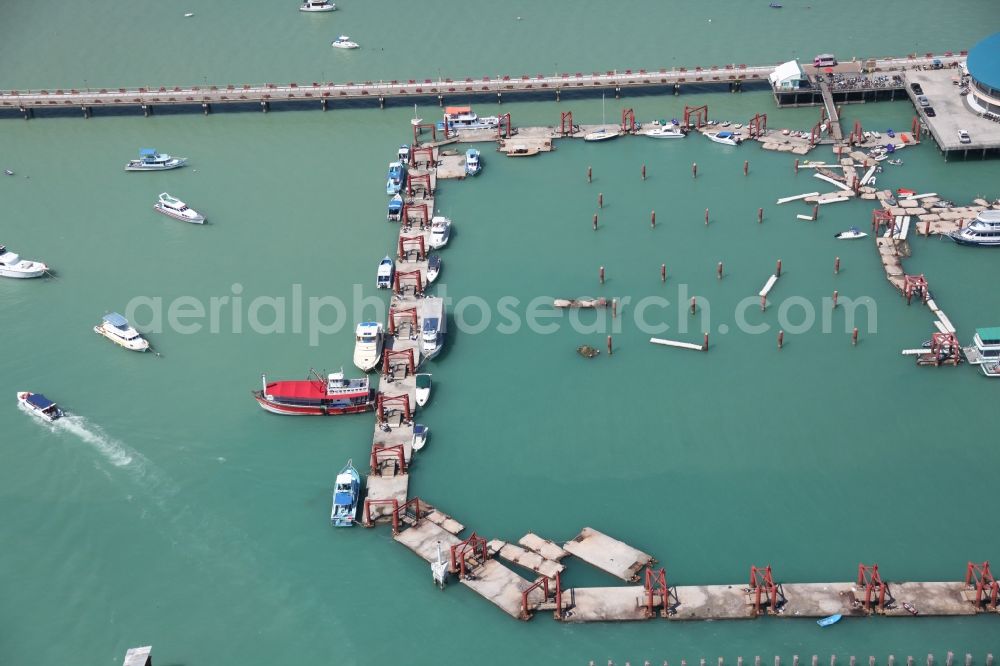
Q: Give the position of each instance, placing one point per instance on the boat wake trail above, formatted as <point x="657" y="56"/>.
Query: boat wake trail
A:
<point x="115" y="452"/>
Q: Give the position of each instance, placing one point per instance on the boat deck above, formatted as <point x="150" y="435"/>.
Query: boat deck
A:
<point x="608" y="554"/>
<point x="604" y="604"/>
<point x="525" y="558"/>
<point x="547" y="549"/>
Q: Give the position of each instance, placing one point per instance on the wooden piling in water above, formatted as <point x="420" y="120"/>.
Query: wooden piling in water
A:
<point x="600" y="200"/>
<point x="590" y="174"/>
<point x="760" y="215"/>
<point x="746" y="167"/>
<point x="600" y="274"/>
<point x="652" y="219"/>
<point x="836" y="265"/>
<point x="694" y="169"/>
<point x="663" y="272"/>
<point x="644" y="172"/>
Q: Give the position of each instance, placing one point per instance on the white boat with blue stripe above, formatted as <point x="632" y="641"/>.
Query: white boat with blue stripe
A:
<point x="346" y="492"/>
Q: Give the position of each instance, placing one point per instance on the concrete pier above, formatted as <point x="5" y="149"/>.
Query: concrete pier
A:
<point x="608" y="554"/>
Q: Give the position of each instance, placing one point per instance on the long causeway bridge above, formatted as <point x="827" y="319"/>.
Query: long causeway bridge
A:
<point x="205" y="97"/>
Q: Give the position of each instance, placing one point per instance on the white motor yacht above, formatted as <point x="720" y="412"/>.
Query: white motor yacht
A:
<point x="116" y="328"/>
<point x="317" y="6"/>
<point x="665" y="132"/>
<point x="602" y="134"/>
<point x="850" y="234"/>
<point x="983" y="231"/>
<point x="150" y="160"/>
<point x="440" y="232"/>
<point x="985" y="346"/>
<point x="386" y="270"/>
<point x="433" y="268"/>
<point x="39" y="405"/>
<point x="726" y="138"/>
<point x="13" y="266"/>
<point x="344" y="42"/>
<point x="368" y="345"/>
<point x="177" y="209"/>
<point x="432" y="326"/>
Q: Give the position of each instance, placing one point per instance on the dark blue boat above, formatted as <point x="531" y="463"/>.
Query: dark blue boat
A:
<point x="345" y="497"/>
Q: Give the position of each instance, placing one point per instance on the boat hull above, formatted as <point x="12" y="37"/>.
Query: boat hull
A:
<point x="166" y="166"/>
<point x="422" y="396"/>
<point x="33" y="272"/>
<point x="276" y="407"/>
<point x="961" y="240"/>
<point x="139" y="345"/>
<point x="22" y="399"/>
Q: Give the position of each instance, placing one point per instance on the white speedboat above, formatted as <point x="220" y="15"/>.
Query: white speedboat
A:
<point x="472" y="163"/>
<point x="665" y="132"/>
<point x="116" y="328"/>
<point x="985" y="346"/>
<point x="433" y="268"/>
<point x="983" y="231"/>
<point x="317" y="6"/>
<point x="432" y="326"/>
<point x="13" y="266"/>
<point x="386" y="269"/>
<point x="404" y="154"/>
<point x="726" y="138"/>
<point x="177" y="209"/>
<point x="850" y="234"/>
<point x="344" y="42"/>
<point x="39" y="405"/>
<point x="440" y="232"/>
<point x="368" y="345"/>
<point x="423" y="390"/>
<point x="150" y="160"/>
<point x="602" y="134"/>
<point x="420" y="433"/>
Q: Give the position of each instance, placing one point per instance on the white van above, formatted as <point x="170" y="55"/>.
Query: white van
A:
<point x="824" y="60"/>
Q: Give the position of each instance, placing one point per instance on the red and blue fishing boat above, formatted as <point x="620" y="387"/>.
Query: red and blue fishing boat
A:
<point x="315" y="396"/>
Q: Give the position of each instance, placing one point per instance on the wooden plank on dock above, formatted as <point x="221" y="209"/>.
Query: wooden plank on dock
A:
<point x="676" y="343"/>
<point x="768" y="286"/>
<point x="547" y="549"/>
<point x="807" y="218"/>
<point x="797" y="197"/>
<point x="833" y="182"/>
<point x="608" y="554"/>
<point x="604" y="604"/>
<point x="915" y="352"/>
<point x="825" y="199"/>
<point x="445" y="521"/>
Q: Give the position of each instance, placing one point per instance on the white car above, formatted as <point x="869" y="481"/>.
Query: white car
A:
<point x="963" y="136"/>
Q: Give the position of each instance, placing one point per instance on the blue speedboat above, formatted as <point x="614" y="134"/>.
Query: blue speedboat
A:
<point x="395" y="209"/>
<point x="472" y="164"/>
<point x="827" y="621"/>
<point x="345" y="497"/>
<point x="397" y="178"/>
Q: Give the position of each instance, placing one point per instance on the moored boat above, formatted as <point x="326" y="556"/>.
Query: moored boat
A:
<point x="150" y="160"/>
<point x="396" y="178"/>
<point x="665" y="131"/>
<point x="432" y="327"/>
<point x="404" y="154"/>
<point x="433" y="268"/>
<point x="423" y="390"/>
<point x="40" y="406"/>
<point x="386" y="269"/>
<point x="116" y="328"/>
<point x="458" y="118"/>
<point x="317" y="6"/>
<point x="587" y="351"/>
<point x="983" y="231"/>
<point x="13" y="266"/>
<point x="346" y="492"/>
<point x="420" y="434"/>
<point x="315" y="396"/>
<point x="395" y="211"/>
<point x="343" y="42"/>
<point x="369" y="339"/>
<point x="991" y="369"/>
<point x="725" y="138"/>
<point x="602" y="134"/>
<point x="985" y="346"/>
<point x="827" y="621"/>
<point x="440" y="232"/>
<point x="850" y="234"/>
<point x="177" y="209"/>
<point x="472" y="164"/>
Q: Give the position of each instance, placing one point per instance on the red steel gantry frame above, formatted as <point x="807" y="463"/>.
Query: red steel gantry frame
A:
<point x="423" y="214"/>
<point x="383" y="456"/>
<point x="869" y="578"/>
<point x="656" y="586"/>
<point x="390" y="355"/>
<point x="407" y="315"/>
<point x="398" y="512"/>
<point x="762" y="587"/>
<point x="757" y="126"/>
<point x="700" y="114"/>
<point x="915" y="284"/>
<point x="857" y="134"/>
<point x="417" y="151"/>
<point x="504" y="128"/>
<point x="944" y="349"/>
<point x="473" y="548"/>
<point x="881" y="216"/>
<point x="417" y="129"/>
<point x="421" y="179"/>
<point x="418" y="283"/>
<point x="566" y="123"/>
<point x="987" y="588"/>
<point x="628" y="121"/>
<point x="405" y="247"/>
<point x="382" y="401"/>
<point x="542" y="582"/>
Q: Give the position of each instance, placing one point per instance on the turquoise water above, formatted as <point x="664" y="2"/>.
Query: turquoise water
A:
<point x="173" y="511"/>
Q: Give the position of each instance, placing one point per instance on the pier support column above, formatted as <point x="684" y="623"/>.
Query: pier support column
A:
<point x="206" y="108"/>
<point x="440" y="100"/>
<point x="264" y="106"/>
<point x="618" y="92"/>
<point x="557" y="94"/>
<point x="322" y="104"/>
<point x="86" y="111"/>
<point x="381" y="102"/>
<point x="677" y="89"/>
<point x="147" y="110"/>
<point x="499" y="97"/>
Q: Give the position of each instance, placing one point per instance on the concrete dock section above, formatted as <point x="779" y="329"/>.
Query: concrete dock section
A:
<point x="547" y="549"/>
<point x="524" y="558"/>
<point x="604" y="604"/>
<point x="608" y="554"/>
<point x="712" y="602"/>
<point x="503" y="588"/>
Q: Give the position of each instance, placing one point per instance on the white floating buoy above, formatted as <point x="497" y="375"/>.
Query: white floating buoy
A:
<point x="189" y="15"/>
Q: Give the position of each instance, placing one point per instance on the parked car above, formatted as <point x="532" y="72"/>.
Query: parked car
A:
<point x="923" y="101"/>
<point x="963" y="136"/>
<point x="917" y="90"/>
<point x="929" y="111"/>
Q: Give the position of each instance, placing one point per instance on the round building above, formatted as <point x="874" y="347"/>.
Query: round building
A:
<point x="983" y="63"/>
